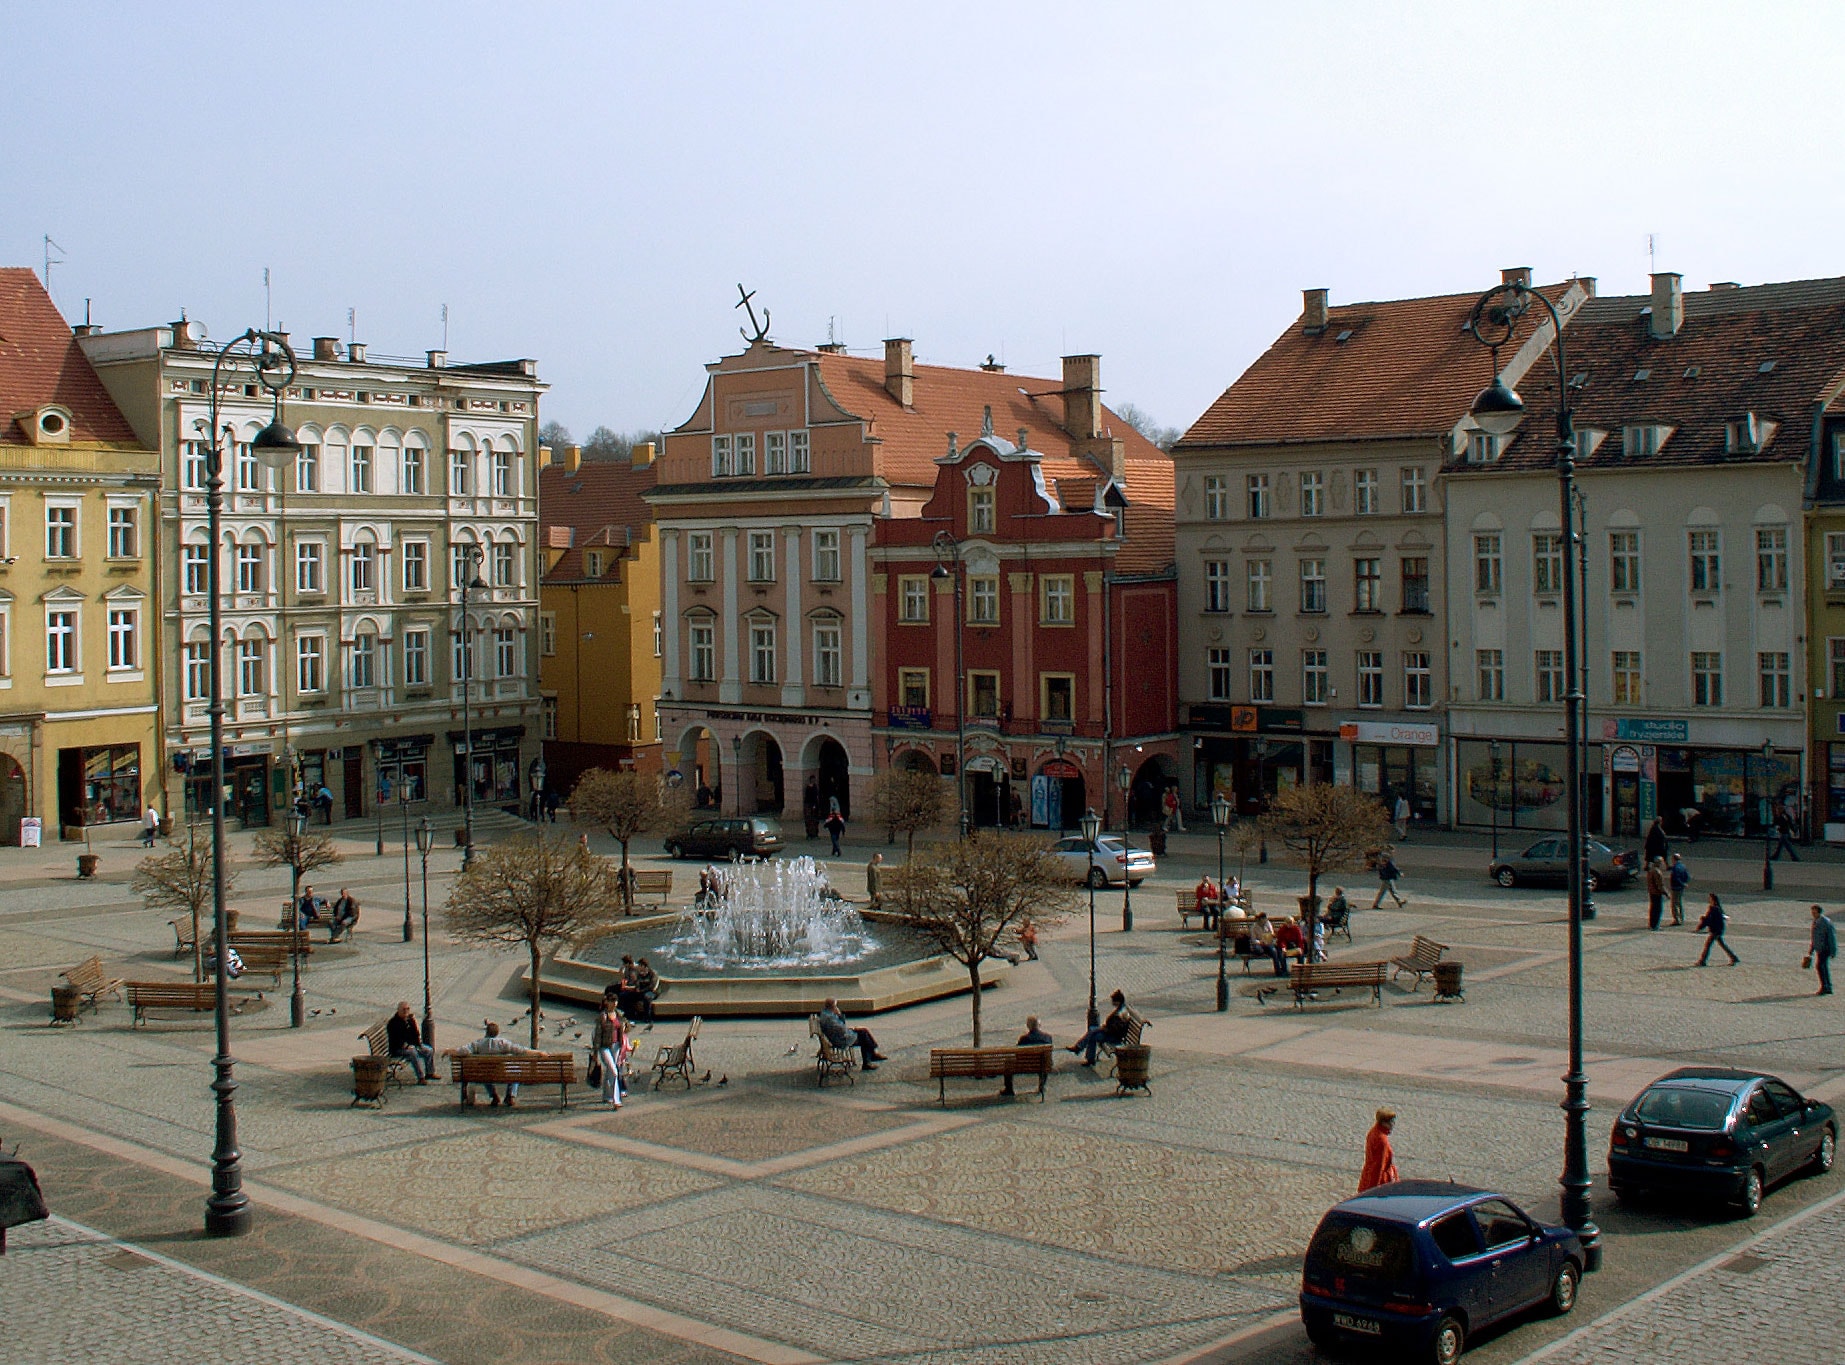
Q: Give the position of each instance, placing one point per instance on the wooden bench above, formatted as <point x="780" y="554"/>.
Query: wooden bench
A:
<point x="675" y="1059"/>
<point x="1338" y="922"/>
<point x="830" y="1060"/>
<point x="263" y="959"/>
<point x="1306" y="979"/>
<point x="987" y="1063"/>
<point x="513" y="1068"/>
<point x="652" y="884"/>
<point x="1424" y="953"/>
<point x="182" y="935"/>
<point x="88" y="980"/>
<point x="286" y="939"/>
<point x="173" y="995"/>
<point x="377" y="1040"/>
<point x="1188" y="907"/>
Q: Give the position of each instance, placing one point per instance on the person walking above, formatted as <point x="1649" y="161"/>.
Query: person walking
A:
<point x="1655" y="891"/>
<point x="1028" y="938"/>
<point x="1401" y="817"/>
<point x="835" y="826"/>
<point x="1380" y="1159"/>
<point x="150" y="826"/>
<point x="1822" y="947"/>
<point x="1784" y="831"/>
<point x="606" y="1044"/>
<point x="1655" y="846"/>
<point x="1387" y="878"/>
<point x="1677" y="880"/>
<point x="1169" y="804"/>
<point x="1713" y="924"/>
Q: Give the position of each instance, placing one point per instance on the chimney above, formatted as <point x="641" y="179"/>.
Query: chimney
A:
<point x="1082" y="396"/>
<point x="1717" y="286"/>
<point x="900" y="371"/>
<point x="326" y="348"/>
<point x="831" y="348"/>
<point x="573" y="457"/>
<point x="87" y="329"/>
<point x="1313" y="310"/>
<point x="641" y="455"/>
<point x="544" y="457"/>
<point x="1668" y="304"/>
<point x="1588" y="284"/>
<point x="1517" y="274"/>
<point x="186" y="335"/>
<point x="438" y="360"/>
<point x="355" y="352"/>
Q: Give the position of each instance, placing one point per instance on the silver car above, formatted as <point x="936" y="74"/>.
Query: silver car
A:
<point x="1116" y="860"/>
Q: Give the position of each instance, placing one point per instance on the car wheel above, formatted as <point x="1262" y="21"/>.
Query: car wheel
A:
<point x="673" y="850"/>
<point x="1823" y="1158"/>
<point x="1594" y="883"/>
<point x="1137" y="881"/>
<point x="1320" y="1334"/>
<point x="1563" y="1288"/>
<point x="1749" y="1197"/>
<point x="1449" y="1341"/>
<point x="1098" y="878"/>
<point x="1626" y="1195"/>
<point x="1506" y="877"/>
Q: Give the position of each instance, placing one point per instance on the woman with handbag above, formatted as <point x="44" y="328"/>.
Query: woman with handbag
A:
<point x="607" y="1046"/>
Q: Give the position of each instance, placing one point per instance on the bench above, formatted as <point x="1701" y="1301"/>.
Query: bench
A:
<point x="986" y="1063"/>
<point x="1188" y="907"/>
<point x="1136" y="1026"/>
<point x="652" y="884"/>
<point x="1424" y="953"/>
<point x="1306" y="979"/>
<point x="263" y="959"/>
<point x="197" y="996"/>
<point x="513" y="1068"/>
<point x="286" y="939"/>
<point x="830" y="1060"/>
<point x="1338" y="921"/>
<point x="377" y="1040"/>
<point x="87" y="979"/>
<point x="182" y="935"/>
<point x="676" y="1059"/>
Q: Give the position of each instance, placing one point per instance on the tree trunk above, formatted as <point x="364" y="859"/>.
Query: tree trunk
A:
<point x="910" y="842"/>
<point x="627" y="888"/>
<point x="1313" y="907"/>
<point x="973" y="974"/>
<point x="535" y="991"/>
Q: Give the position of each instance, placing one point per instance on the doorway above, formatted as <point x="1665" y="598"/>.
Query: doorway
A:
<point x="354" y="783"/>
<point x="833" y="777"/>
<point x="12" y="799"/>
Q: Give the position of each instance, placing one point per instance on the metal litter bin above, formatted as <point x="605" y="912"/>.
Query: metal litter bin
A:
<point x="1132" y="1065"/>
<point x="1448" y="982"/>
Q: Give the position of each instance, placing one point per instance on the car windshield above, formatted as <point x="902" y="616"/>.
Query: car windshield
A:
<point x="1362" y="1248"/>
<point x="1678" y="1106"/>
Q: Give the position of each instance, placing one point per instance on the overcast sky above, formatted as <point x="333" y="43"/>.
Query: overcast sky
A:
<point x="586" y="184"/>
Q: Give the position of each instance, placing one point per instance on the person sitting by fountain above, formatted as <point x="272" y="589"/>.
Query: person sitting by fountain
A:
<point x="841" y="1034"/>
<point x="646" y="990"/>
<point x="490" y="1044"/>
<point x="1112" y="1030"/>
<point x="706" y="891"/>
<point x="627" y="989"/>
<point x="1032" y="1037"/>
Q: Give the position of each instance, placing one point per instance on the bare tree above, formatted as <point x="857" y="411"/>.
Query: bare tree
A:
<point x="180" y="879"/>
<point x="300" y="853"/>
<point x="909" y="801"/>
<point x="627" y="804"/>
<point x="1143" y="422"/>
<point x="534" y="890"/>
<point x="1245" y="838"/>
<point x="606" y="444"/>
<point x="972" y="895"/>
<point x="1324" y="826"/>
<point x="556" y="435"/>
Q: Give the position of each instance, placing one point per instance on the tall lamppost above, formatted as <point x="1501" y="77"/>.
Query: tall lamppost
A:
<point x="1767" y="814"/>
<point x="227" y="1211"/>
<point x="425" y="840"/>
<point x="403" y="804"/>
<point x="297" y="824"/>
<point x="1581" y="534"/>
<point x="1122" y="779"/>
<point x="1220" y="816"/>
<point x="1497" y="411"/>
<point x="1493" y="745"/>
<point x="1262" y="795"/>
<point x="538" y="787"/>
<point x="948" y="566"/>
<point x="471" y="582"/>
<point x="1092" y="826"/>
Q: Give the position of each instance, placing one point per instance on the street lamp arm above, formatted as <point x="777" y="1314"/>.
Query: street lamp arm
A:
<point x="1493" y="321"/>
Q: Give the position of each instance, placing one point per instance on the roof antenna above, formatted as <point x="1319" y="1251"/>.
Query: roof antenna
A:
<point x="267" y="325"/>
<point x="445" y="326"/>
<point x="352" y="326"/>
<point x="51" y="246"/>
<point x="1652" y="264"/>
<point x="86" y="313"/>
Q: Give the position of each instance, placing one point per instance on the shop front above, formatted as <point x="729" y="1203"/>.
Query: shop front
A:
<point x="99" y="785"/>
<point x="1058" y="795"/>
<point x="248" y="783"/>
<point x="1696" y="783"/>
<point x="403" y="768"/>
<point x="1267" y="750"/>
<point x="1519" y="784"/>
<point x="1391" y="759"/>
<point x="493" y="767"/>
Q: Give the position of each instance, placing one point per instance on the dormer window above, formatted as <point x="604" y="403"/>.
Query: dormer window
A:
<point x="1482" y="447"/>
<point x="1639" y="443"/>
<point x="1587" y="440"/>
<point x="1743" y="436"/>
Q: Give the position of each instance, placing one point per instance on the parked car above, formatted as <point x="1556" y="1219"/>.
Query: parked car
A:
<point x="1719" y="1134"/>
<point x="1544" y="861"/>
<point x="1116" y="860"/>
<point x="1422" y="1265"/>
<point x="745" y="837"/>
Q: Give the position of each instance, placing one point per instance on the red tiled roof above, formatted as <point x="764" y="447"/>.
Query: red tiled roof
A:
<point x="600" y="502"/>
<point x="40" y="362"/>
<point x="1404" y="368"/>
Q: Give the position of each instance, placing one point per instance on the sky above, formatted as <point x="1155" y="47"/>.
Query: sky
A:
<point x="587" y="184"/>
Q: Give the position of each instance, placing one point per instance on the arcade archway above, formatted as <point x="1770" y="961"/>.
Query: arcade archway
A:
<point x="759" y="766"/>
<point x="699" y="769"/>
<point x="829" y="776"/>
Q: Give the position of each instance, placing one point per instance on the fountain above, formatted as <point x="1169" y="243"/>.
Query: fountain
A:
<point x="770" y="916"/>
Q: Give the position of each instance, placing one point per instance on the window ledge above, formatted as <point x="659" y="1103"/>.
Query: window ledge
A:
<point x="1414" y="611"/>
<point x="1366" y="611"/>
<point x="1703" y="599"/>
<point x="64" y="680"/>
<point x="125" y="675"/>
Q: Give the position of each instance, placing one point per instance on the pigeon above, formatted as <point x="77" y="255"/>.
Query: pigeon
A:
<point x="792" y="1049"/>
<point x="332" y="1011"/>
<point x="705" y="1079"/>
<point x="722" y="1080"/>
<point x="312" y="1013"/>
<point x="578" y="1035"/>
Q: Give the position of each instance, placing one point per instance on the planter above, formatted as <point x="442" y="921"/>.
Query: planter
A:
<point x="86" y="865"/>
<point x="368" y="1075"/>
<point x="64" y="1003"/>
<point x="1448" y="982"/>
<point x="1132" y="1065"/>
<point x="1156" y="841"/>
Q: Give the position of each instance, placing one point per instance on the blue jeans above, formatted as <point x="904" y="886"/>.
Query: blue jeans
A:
<point x="1823" y="965"/>
<point x="1091" y="1042"/>
<point x="422" y="1059"/>
<point x="493" y="1091"/>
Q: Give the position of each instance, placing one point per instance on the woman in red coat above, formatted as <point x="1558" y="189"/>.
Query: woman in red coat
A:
<point x="1380" y="1160"/>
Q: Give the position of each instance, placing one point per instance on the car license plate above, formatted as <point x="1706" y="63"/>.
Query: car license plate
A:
<point x="1369" y="1326"/>
<point x="1668" y="1144"/>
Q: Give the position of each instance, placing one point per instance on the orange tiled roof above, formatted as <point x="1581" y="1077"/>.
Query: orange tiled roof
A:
<point x="599" y="503"/>
<point x="40" y="362"/>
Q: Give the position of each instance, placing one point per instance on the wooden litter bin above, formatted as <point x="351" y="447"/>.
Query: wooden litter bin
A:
<point x="64" y="1003"/>
<point x="1448" y="982"/>
<point x="1132" y="1065"/>
<point x="368" y="1075"/>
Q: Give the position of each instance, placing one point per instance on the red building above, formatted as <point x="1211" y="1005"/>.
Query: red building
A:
<point x="1059" y="534"/>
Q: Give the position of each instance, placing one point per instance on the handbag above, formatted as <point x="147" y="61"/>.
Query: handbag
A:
<point x="594" y="1077"/>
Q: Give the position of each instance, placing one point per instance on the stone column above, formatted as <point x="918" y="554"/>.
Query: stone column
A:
<point x="794" y="629"/>
<point x="730" y="678"/>
<point x="670" y="681"/>
<point x="859" y="696"/>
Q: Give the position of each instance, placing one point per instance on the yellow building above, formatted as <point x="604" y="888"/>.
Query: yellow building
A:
<point x="598" y="616"/>
<point x="79" y="665"/>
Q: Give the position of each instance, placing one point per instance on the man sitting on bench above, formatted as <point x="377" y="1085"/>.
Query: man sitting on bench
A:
<point x="1290" y="939"/>
<point x="841" y="1034"/>
<point x="1032" y="1037"/>
<point x="492" y="1045"/>
<point x="403" y="1039"/>
<point x="1112" y="1030"/>
<point x="1262" y="937"/>
<point x="345" y="916"/>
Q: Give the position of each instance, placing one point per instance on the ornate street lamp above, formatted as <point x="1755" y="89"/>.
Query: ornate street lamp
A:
<point x="227" y="1211"/>
<point x="948" y="566"/>
<point x="1220" y="816"/>
<point x="1122" y="779"/>
<point x="425" y="840"/>
<point x="1493" y="745"/>
<point x="1767" y="812"/>
<point x="1497" y="411"/>
<point x="471" y="582"/>
<point x="403" y="804"/>
<point x="1092" y="827"/>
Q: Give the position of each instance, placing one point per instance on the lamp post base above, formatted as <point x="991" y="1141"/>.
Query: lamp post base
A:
<point x="1223" y="993"/>
<point x="409" y="929"/>
<point x="232" y="1219"/>
<point x="297" y="1008"/>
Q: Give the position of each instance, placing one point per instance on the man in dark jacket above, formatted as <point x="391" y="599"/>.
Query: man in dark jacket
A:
<point x="841" y="1034"/>
<point x="403" y="1039"/>
<point x="1822" y="947"/>
<point x="1713" y="924"/>
<point x="1032" y="1037"/>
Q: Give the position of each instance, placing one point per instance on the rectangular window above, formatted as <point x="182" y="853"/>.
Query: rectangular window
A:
<point x="1482" y="447"/>
<point x="249" y="469"/>
<point x="198" y="671"/>
<point x="983" y="695"/>
<point x="826" y="557"/>
<point x="745" y="444"/>
<point x="1626" y="669"/>
<point x="547" y="717"/>
<point x="195" y="464"/>
<point x="506" y="653"/>
<point x="1364" y="492"/>
<point x="1418" y="682"/>
<point x="1549" y="675"/>
<point x="1624" y="561"/>
<point x="416" y="658"/>
<point x="1059" y="697"/>
<point x="762" y="653"/>
<point x="762" y="556"/>
<point x="826" y="655"/>
<point x="797" y="452"/>
<point x="364" y="661"/>
<point x="1313" y="585"/>
<point x="60" y="533"/>
<point x="1639" y="442"/>
<point x="1371" y="678"/>
<point x="1313" y="677"/>
<point x="722" y="466"/>
<point x="249" y="568"/>
<point x="1547" y="564"/>
<point x="980" y="511"/>
<point x="307" y="468"/>
<point x="1258" y="579"/>
<point x="124" y="544"/>
<point x="1256" y="486"/>
<point x="124" y="644"/>
<point x="1835" y="651"/>
<point x="699" y="560"/>
<point x="308" y="569"/>
<point x="1416" y="583"/>
<point x="1491" y="666"/>
<point x="1706" y="678"/>
<point x="1217" y="585"/>
<point x="1217" y="669"/>
<point x="1706" y="560"/>
<point x="502" y="473"/>
<point x="414" y="457"/>
<point x="1058" y="606"/>
<point x="1262" y="675"/>
<point x="704" y="653"/>
<point x="416" y="565"/>
<point x="198" y="569"/>
<point x="547" y="634"/>
<point x="250" y="668"/>
<point x="1770" y="558"/>
<point x="913" y="599"/>
<point x="458" y="473"/>
<point x="1216" y="497"/>
<point x="1488" y="563"/>
<point x="1414" y="489"/>
<point x="1367" y="584"/>
<point x="983" y="599"/>
<point x="461" y="664"/>
<point x="913" y="688"/>
<point x="659" y="641"/>
<point x="1312" y="495"/>
<point x="361" y="469"/>
<point x="460" y="564"/>
<point x="364" y="567"/>
<point x="504" y="558"/>
<point x="1776" y="679"/>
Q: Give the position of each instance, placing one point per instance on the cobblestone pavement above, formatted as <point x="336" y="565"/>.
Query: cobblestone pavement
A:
<point x="761" y="1219"/>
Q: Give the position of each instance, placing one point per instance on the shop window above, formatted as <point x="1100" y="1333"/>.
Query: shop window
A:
<point x="99" y="785"/>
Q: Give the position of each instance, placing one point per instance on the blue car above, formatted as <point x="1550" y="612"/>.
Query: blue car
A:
<point x="1421" y="1265"/>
